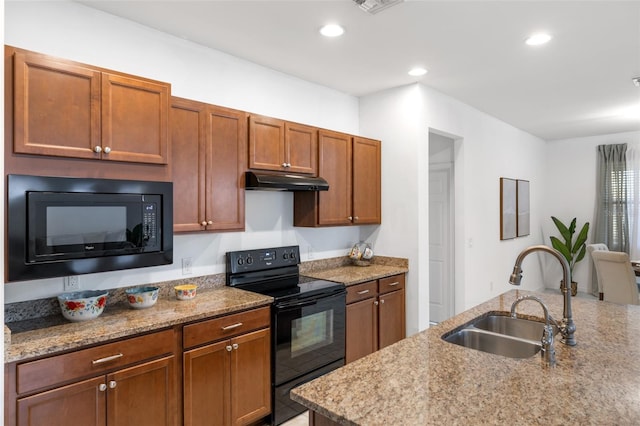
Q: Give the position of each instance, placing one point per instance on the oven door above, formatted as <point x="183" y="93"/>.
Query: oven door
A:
<point x="308" y="334"/>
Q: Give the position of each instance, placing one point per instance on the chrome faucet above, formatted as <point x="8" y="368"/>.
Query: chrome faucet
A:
<point x="548" y="351"/>
<point x="566" y="326"/>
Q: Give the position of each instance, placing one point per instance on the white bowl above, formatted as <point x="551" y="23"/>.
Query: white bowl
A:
<point x="83" y="305"/>
<point x="142" y="297"/>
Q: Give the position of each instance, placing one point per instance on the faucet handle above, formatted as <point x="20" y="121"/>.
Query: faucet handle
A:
<point x="548" y="351"/>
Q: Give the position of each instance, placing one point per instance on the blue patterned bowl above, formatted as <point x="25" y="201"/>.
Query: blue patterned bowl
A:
<point x="142" y="297"/>
<point x="83" y="305"/>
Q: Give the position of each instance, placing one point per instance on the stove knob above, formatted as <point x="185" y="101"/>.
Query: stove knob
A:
<point x="240" y="261"/>
<point x="292" y="255"/>
<point x="249" y="260"/>
<point x="285" y="256"/>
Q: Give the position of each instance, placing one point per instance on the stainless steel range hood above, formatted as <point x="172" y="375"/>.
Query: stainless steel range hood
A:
<point x="284" y="182"/>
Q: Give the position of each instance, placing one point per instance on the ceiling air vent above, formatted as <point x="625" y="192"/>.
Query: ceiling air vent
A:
<point x="375" y="6"/>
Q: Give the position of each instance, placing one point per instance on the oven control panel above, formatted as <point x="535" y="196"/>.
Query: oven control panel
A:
<point x="262" y="259"/>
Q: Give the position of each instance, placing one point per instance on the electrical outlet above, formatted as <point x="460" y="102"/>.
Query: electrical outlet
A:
<point x="309" y="252"/>
<point x="187" y="264"/>
<point x="71" y="283"/>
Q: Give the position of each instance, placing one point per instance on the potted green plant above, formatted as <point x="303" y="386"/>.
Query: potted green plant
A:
<point x="574" y="252"/>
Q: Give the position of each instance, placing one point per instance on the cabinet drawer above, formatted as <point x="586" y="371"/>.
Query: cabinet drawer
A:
<point x="393" y="283"/>
<point x="47" y="372"/>
<point x="361" y="291"/>
<point x="225" y="327"/>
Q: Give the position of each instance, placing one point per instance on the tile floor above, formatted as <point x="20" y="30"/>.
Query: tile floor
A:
<point x="301" y="420"/>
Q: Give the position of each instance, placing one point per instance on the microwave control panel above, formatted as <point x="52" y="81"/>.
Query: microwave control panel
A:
<point x="150" y="224"/>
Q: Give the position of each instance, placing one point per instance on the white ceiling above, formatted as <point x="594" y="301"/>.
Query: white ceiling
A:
<point x="576" y="85"/>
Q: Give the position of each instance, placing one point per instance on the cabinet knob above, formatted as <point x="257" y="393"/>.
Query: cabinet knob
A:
<point x="228" y="348"/>
<point x="356" y="218"/>
<point x="112" y="384"/>
<point x="203" y="223"/>
<point x="235" y="346"/>
<point x="350" y="217"/>
<point x="288" y="165"/>
<point x="382" y="301"/>
<point x="102" y="387"/>
<point x="375" y="303"/>
<point x="97" y="149"/>
<point x="209" y="222"/>
<point x="284" y="165"/>
<point x="107" y="150"/>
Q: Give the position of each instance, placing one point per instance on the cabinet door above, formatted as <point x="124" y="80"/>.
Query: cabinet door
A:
<point x="366" y="181"/>
<point x="362" y="329"/>
<point x="207" y="380"/>
<point x="56" y="107"/>
<point x="250" y="377"/>
<point x="188" y="144"/>
<point x="135" y="119"/>
<point x="334" y="165"/>
<point x="82" y="402"/>
<point x="226" y="164"/>
<point x="301" y="148"/>
<point x="266" y="143"/>
<point x="143" y="395"/>
<point x="391" y="318"/>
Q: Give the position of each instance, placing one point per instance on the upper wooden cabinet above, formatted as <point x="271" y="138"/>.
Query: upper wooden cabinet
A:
<point x="351" y="165"/>
<point x="208" y="162"/>
<point x="67" y="109"/>
<point x="282" y="146"/>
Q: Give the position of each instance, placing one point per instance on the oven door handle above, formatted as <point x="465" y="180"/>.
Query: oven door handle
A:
<point x="296" y="305"/>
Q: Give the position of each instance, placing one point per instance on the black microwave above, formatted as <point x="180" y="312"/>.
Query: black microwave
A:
<point x="69" y="226"/>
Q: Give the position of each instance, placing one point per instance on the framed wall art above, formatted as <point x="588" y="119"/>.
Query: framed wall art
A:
<point x="508" y="209"/>
<point x="522" y="198"/>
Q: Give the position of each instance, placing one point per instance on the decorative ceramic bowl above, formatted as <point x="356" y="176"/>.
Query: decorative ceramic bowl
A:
<point x="83" y="305"/>
<point x="142" y="297"/>
<point x="185" y="291"/>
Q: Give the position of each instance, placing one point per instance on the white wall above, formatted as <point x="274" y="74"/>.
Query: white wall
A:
<point x="70" y="30"/>
<point x="571" y="189"/>
<point x="486" y="149"/>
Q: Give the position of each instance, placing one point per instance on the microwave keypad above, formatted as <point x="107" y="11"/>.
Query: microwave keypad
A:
<point x="149" y="224"/>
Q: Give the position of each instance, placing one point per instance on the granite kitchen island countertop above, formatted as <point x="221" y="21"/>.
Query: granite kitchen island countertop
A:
<point x="423" y="380"/>
<point x="49" y="335"/>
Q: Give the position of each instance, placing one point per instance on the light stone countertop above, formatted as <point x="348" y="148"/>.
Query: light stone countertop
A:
<point x="423" y="380"/>
<point x="120" y="320"/>
<point x="350" y="275"/>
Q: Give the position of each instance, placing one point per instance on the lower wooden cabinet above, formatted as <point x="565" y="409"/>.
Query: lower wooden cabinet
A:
<point x="111" y="384"/>
<point x="375" y="315"/>
<point x="228" y="382"/>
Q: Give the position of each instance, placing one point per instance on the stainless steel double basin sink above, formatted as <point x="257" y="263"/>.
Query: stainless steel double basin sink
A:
<point x="498" y="333"/>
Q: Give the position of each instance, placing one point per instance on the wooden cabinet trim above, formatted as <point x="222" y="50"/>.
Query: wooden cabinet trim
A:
<point x="225" y="327"/>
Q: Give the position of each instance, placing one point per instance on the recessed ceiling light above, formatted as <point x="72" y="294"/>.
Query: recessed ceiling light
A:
<point x="538" y="39"/>
<point x="417" y="72"/>
<point x="332" y="30"/>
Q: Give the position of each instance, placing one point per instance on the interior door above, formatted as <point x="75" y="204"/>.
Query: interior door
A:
<point x="440" y="244"/>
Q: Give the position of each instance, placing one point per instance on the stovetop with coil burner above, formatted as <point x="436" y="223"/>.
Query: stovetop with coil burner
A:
<point x="274" y="272"/>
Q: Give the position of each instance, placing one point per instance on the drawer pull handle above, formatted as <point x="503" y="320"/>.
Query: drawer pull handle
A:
<point x="232" y="326"/>
<point x="106" y="359"/>
<point x="363" y="292"/>
<point x="394" y="283"/>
